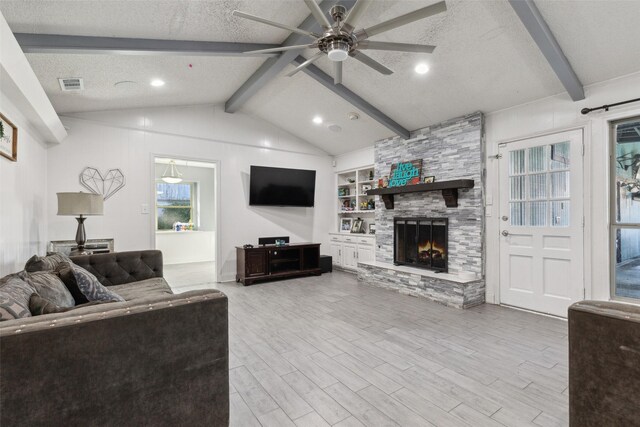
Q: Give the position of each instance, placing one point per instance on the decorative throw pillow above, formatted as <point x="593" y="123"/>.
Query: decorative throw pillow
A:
<point x="14" y="297"/>
<point x="49" y="286"/>
<point x="49" y="262"/>
<point x="66" y="275"/>
<point x="86" y="284"/>
<point x="39" y="305"/>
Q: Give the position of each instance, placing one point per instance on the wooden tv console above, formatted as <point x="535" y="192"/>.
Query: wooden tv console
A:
<point x="270" y="262"/>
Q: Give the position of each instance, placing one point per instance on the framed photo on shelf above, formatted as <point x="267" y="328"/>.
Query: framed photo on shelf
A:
<point x="429" y="179"/>
<point x="357" y="226"/>
<point x="372" y="228"/>
<point x="8" y="139"/>
<point x="345" y="225"/>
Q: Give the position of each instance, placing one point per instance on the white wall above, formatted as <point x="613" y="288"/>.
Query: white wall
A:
<point x="129" y="139"/>
<point x="355" y="159"/>
<point x="23" y="196"/>
<point x="555" y="114"/>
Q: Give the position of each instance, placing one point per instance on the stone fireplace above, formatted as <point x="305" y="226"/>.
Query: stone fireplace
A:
<point x="421" y="242"/>
<point x="425" y="247"/>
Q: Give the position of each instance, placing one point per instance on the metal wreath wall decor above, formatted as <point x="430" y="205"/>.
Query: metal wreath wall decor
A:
<point x="106" y="186"/>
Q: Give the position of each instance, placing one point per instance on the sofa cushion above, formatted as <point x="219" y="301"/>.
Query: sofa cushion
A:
<point x="49" y="286"/>
<point x="14" y="297"/>
<point x="142" y="289"/>
<point x="84" y="286"/>
<point x="49" y="262"/>
<point x="39" y="305"/>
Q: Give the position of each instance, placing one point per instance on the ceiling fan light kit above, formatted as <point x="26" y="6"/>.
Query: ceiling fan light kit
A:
<point x="340" y="39"/>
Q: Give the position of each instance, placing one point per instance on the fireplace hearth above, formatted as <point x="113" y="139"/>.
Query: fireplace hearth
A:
<point x="421" y="242"/>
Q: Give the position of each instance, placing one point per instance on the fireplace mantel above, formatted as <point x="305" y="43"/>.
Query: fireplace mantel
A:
<point x="449" y="191"/>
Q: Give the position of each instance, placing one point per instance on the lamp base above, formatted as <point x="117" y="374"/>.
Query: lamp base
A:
<point x="81" y="238"/>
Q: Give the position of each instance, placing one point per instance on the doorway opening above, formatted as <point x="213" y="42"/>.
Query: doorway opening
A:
<point x="185" y="196"/>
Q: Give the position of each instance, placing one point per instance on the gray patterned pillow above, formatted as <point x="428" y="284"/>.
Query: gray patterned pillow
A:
<point x="49" y="286"/>
<point x="49" y="262"/>
<point x="90" y="287"/>
<point x="39" y="305"/>
<point x="14" y="297"/>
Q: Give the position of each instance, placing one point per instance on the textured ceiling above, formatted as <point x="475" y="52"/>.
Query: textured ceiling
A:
<point x="485" y="59"/>
<point x="208" y="80"/>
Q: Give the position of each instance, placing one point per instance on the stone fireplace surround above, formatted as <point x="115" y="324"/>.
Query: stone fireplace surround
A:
<point x="450" y="150"/>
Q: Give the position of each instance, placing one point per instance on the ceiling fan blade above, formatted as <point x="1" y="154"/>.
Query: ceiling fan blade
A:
<point x="337" y="72"/>
<point x="367" y="60"/>
<point x="408" y="18"/>
<point x="306" y="63"/>
<point x="318" y="14"/>
<point x="274" y="24"/>
<point x="354" y="15"/>
<point x="283" y="48"/>
<point x="400" y="47"/>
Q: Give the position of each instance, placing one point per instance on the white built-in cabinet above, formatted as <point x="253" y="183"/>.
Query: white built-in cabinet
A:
<point x="349" y="249"/>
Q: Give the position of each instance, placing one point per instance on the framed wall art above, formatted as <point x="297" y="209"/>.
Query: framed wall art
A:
<point x="8" y="139"/>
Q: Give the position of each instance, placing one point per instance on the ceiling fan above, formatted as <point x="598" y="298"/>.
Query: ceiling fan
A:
<point x="340" y="39"/>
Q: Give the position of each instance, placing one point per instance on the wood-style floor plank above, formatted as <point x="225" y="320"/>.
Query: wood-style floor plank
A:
<point x="328" y="351"/>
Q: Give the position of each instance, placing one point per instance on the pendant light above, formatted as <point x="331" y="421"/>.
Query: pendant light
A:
<point x="171" y="174"/>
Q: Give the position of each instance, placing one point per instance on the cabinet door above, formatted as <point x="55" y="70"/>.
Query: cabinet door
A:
<point x="336" y="253"/>
<point x="365" y="253"/>
<point x="256" y="263"/>
<point x="349" y="256"/>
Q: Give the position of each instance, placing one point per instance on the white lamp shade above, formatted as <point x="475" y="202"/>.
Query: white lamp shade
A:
<point x="80" y="204"/>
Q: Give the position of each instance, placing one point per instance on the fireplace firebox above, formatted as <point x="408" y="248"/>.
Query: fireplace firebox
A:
<point x="421" y="242"/>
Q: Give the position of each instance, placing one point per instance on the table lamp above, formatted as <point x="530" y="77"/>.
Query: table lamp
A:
<point x="80" y="204"/>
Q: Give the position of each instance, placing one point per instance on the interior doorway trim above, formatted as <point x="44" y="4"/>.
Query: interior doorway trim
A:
<point x="152" y="224"/>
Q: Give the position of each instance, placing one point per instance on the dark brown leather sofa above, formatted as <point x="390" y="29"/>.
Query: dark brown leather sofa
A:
<point x="158" y="359"/>
<point x="604" y="364"/>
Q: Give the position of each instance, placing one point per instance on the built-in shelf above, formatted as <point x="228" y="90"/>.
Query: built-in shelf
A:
<point x="449" y="191"/>
<point x="357" y="211"/>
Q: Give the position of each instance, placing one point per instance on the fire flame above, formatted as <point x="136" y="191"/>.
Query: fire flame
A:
<point x="429" y="247"/>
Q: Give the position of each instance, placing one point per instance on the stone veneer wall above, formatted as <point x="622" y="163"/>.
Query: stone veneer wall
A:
<point x="450" y="150"/>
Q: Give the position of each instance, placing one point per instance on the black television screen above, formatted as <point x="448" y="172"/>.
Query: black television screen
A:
<point x="281" y="187"/>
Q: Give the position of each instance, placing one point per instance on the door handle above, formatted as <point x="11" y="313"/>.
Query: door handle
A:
<point x="505" y="218"/>
<point x="505" y="233"/>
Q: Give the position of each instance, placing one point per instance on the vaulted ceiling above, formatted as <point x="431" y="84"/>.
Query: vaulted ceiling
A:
<point x="485" y="60"/>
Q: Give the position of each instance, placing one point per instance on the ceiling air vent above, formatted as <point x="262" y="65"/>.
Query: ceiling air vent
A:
<point x="71" y="84"/>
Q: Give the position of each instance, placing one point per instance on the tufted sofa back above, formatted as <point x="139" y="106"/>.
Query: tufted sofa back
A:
<point x="118" y="268"/>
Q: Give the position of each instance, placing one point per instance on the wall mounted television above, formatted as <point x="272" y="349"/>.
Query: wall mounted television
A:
<point x="281" y="187"/>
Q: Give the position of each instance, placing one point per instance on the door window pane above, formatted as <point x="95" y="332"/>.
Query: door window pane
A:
<point x="537" y="186"/>
<point x="517" y="213"/>
<point x="537" y="214"/>
<point x="560" y="156"/>
<point x="560" y="185"/>
<point x="560" y="213"/>
<point x="517" y="188"/>
<point x="541" y="181"/>
<point x="627" y="262"/>
<point x="516" y="162"/>
<point x="537" y="159"/>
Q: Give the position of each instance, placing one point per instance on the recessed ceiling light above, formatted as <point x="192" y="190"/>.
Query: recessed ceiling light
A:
<point x="317" y="120"/>
<point x="422" y="69"/>
<point x="157" y="82"/>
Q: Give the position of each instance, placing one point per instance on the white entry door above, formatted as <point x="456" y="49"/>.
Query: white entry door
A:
<point x="541" y="223"/>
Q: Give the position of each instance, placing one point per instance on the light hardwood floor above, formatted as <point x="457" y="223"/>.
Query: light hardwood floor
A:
<point x="326" y="350"/>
